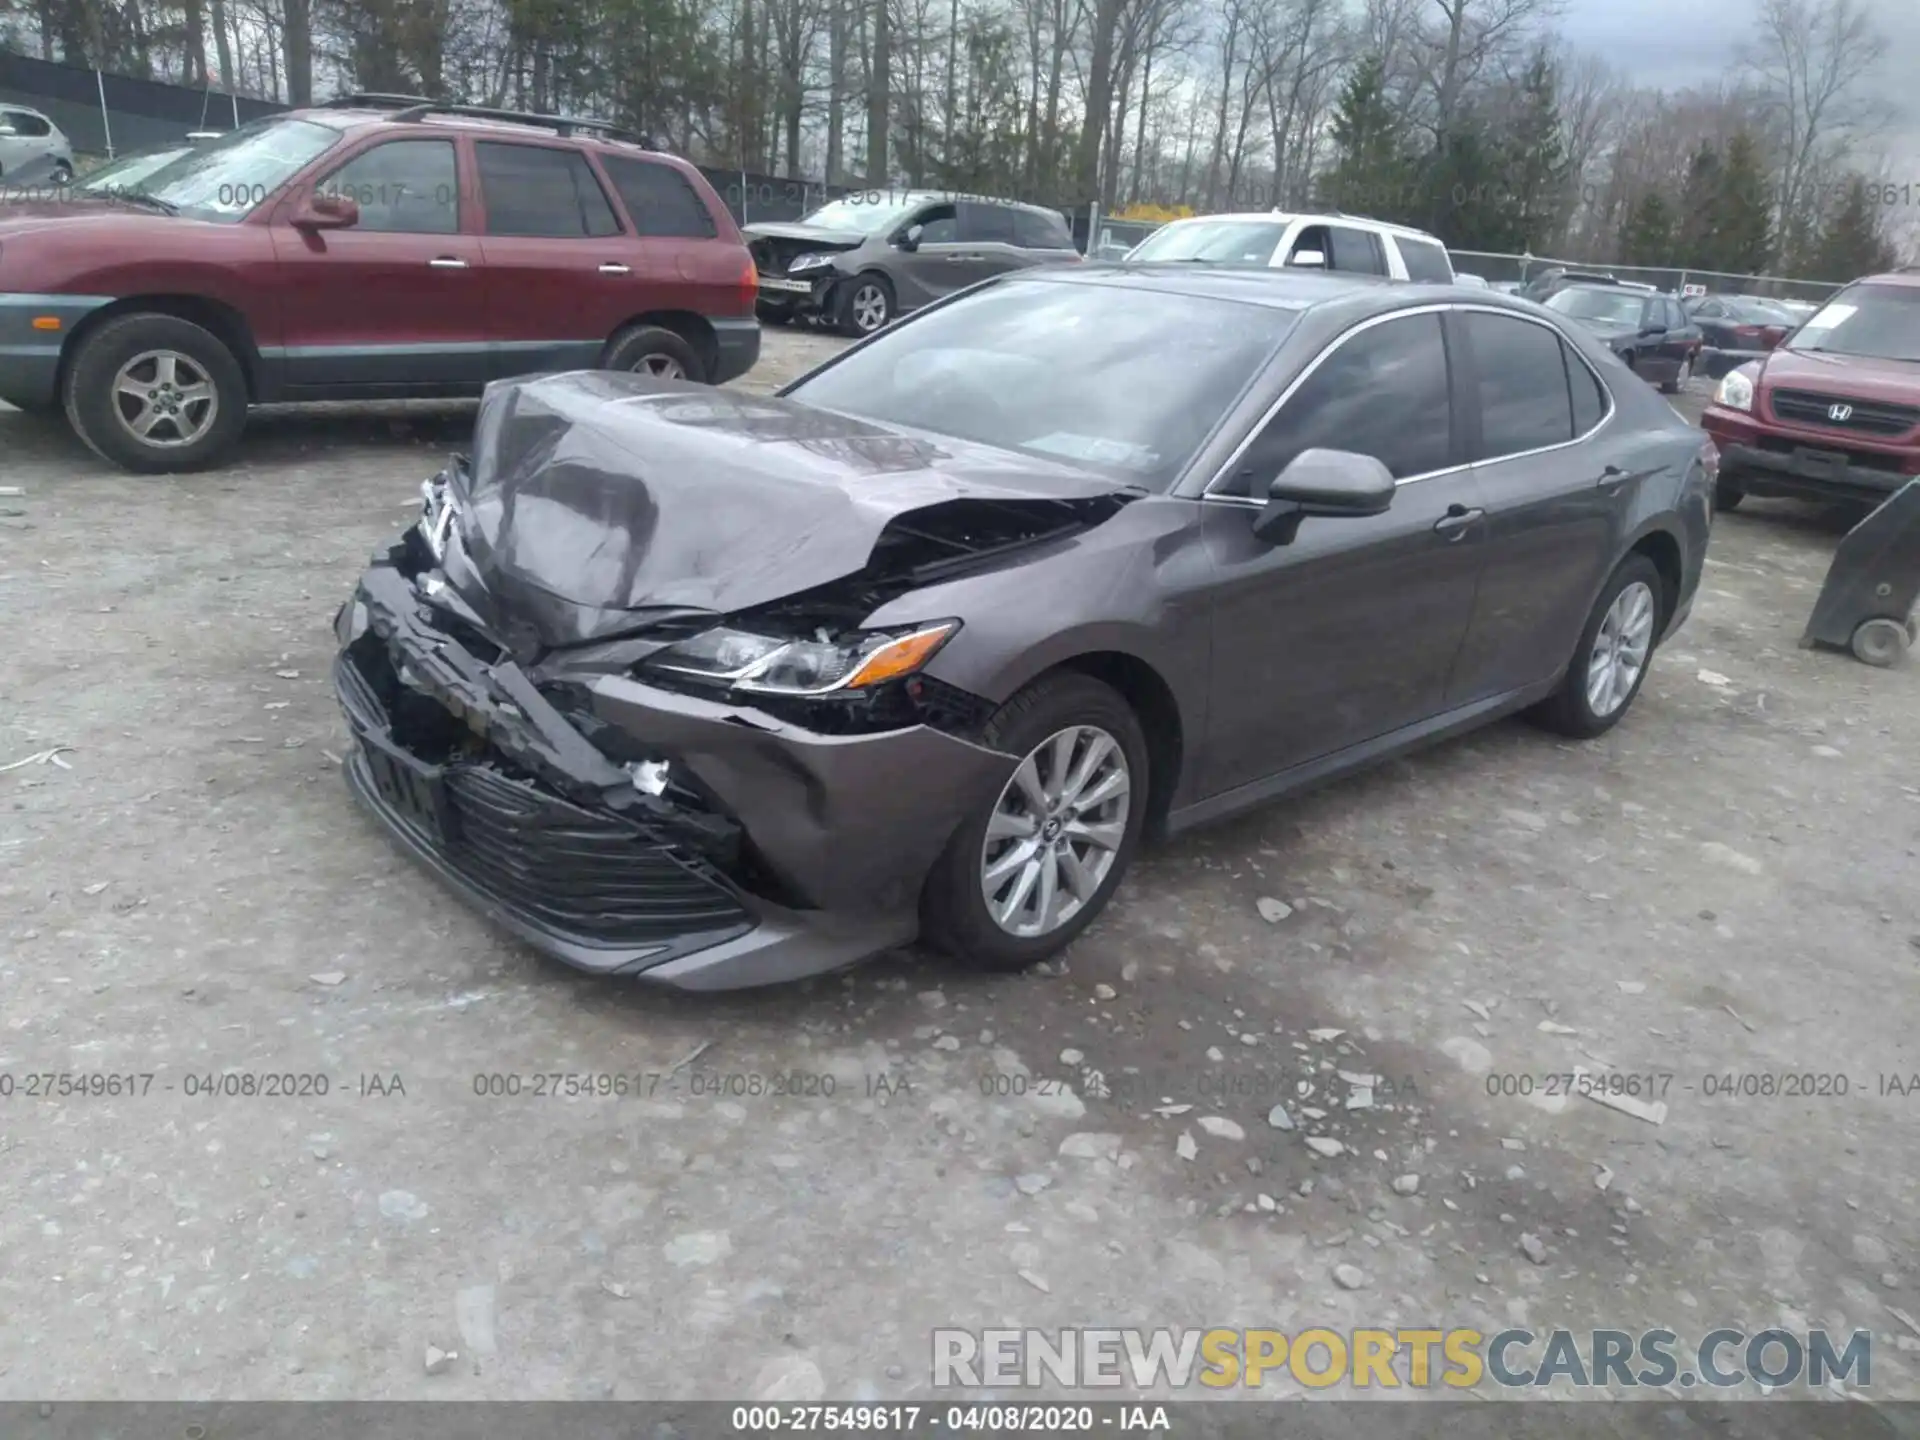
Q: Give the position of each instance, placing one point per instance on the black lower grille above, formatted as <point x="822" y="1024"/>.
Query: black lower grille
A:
<point x="1865" y="459"/>
<point x="579" y="872"/>
<point x="1839" y="412"/>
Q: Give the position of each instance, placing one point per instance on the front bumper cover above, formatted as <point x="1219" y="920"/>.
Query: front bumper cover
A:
<point x="541" y="831"/>
<point x="1767" y="460"/>
<point x="30" y="352"/>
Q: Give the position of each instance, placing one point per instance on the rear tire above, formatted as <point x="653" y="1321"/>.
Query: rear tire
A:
<point x="1625" y="621"/>
<point x="653" y="350"/>
<point x="168" y="374"/>
<point x="955" y="910"/>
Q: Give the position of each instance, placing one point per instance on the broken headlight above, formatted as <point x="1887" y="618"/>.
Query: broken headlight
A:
<point x="774" y="665"/>
<point x="436" y="515"/>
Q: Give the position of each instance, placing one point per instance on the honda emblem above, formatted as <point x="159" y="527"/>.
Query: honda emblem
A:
<point x="1841" y="413"/>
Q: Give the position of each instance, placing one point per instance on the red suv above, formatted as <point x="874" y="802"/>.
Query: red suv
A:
<point x="1834" y="412"/>
<point x="374" y="248"/>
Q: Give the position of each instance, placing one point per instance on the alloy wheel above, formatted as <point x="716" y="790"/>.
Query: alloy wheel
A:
<point x="869" y="308"/>
<point x="660" y="366"/>
<point x="165" y="399"/>
<point x="1056" y="831"/>
<point x="1620" y="649"/>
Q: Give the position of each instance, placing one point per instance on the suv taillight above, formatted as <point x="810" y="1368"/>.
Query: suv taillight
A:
<point x="750" y="281"/>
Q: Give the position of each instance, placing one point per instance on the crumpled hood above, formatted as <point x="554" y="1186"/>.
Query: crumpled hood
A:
<point x="598" y="503"/>
<point x="797" y="230"/>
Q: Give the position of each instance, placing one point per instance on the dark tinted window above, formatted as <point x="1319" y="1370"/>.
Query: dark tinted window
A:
<point x="658" y="198"/>
<point x="939" y="225"/>
<point x="1523" y="385"/>
<point x="1589" y="400"/>
<point x="1356" y="251"/>
<point x="31" y="126"/>
<point x="538" y="191"/>
<point x="1312" y="240"/>
<point x="1041" y="230"/>
<point x="1382" y="393"/>
<point x="405" y="187"/>
<point x="986" y="224"/>
<point x="1424" y="261"/>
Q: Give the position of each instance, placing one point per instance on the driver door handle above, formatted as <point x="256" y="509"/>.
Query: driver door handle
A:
<point x="610" y="268"/>
<point x="447" y="262"/>
<point x="1456" y="521"/>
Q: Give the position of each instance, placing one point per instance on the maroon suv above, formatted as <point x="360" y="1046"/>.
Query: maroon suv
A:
<point x="373" y="248"/>
<point x="1834" y="413"/>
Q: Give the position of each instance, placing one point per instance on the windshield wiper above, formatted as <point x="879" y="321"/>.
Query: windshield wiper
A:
<point x="141" y="197"/>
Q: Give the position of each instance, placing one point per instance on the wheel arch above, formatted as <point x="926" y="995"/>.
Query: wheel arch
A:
<point x="1663" y="548"/>
<point x="222" y="320"/>
<point x="1152" y="699"/>
<point x="687" y="324"/>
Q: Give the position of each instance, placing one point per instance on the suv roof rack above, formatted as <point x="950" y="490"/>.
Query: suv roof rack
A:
<point x="418" y="107"/>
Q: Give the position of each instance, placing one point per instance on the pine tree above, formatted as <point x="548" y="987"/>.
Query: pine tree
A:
<point x="1743" y="212"/>
<point x="1647" y="237"/>
<point x="1466" y="184"/>
<point x="1370" y="174"/>
<point x="1851" y="244"/>
<point x="1696" y="234"/>
<point x="1533" y="159"/>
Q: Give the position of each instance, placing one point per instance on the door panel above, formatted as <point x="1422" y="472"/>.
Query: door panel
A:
<point x="1551" y="515"/>
<point x="1350" y="631"/>
<point x="921" y="276"/>
<point x="560" y="270"/>
<point x="1340" y="637"/>
<point x="393" y="305"/>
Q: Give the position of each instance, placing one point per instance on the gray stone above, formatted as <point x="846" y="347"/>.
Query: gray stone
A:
<point x="1221" y="1128"/>
<point x="1349" y="1277"/>
<point x="1533" y="1248"/>
<point x="1406" y="1185"/>
<point x="1090" y="1145"/>
<point x="1278" y="1118"/>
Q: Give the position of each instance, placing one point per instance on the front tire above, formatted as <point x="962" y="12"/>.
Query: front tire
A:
<point x="1037" y="862"/>
<point x="865" y="305"/>
<point x="1611" y="661"/>
<point x="156" y="394"/>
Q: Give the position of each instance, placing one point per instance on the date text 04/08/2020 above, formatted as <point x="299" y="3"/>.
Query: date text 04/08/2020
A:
<point x="999" y="1419"/>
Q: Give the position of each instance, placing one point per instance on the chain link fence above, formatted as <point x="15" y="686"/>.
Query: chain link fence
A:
<point x="1496" y="268"/>
<point x="107" y="115"/>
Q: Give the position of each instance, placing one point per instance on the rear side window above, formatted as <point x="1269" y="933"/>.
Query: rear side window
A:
<point x="1589" y="399"/>
<point x="1424" y="261"/>
<point x="1382" y="393"/>
<point x="1356" y="251"/>
<point x="1041" y="230"/>
<point x="986" y="224"/>
<point x="538" y="191"/>
<point x="1524" y="402"/>
<point x="409" y="187"/>
<point x="18" y="122"/>
<point x="658" y="198"/>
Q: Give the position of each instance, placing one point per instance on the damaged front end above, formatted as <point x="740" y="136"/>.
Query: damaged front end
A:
<point x="555" y="714"/>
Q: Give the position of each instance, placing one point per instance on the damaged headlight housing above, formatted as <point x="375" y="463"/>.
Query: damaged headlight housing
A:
<point x="823" y="665"/>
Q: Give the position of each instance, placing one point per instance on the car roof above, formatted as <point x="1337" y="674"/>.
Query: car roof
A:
<point x="1908" y="277"/>
<point x="1317" y="217"/>
<point x="1270" y="288"/>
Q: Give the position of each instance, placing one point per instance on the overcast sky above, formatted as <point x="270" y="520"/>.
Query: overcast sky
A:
<point x="1671" y="43"/>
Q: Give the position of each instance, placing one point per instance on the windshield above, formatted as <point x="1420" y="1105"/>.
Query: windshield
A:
<point x="1616" y="307"/>
<point x="1881" y="322"/>
<point x="126" y="172"/>
<point x="1222" y="242"/>
<point x="863" y="213"/>
<point x="225" y="179"/>
<point x="1124" y="381"/>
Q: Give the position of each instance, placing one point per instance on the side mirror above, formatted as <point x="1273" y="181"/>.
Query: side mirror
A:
<point x="1329" y="484"/>
<point x="909" y="239"/>
<point x="325" y="212"/>
<point x="1309" y="259"/>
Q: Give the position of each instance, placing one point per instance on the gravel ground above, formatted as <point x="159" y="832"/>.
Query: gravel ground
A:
<point x="1721" y="887"/>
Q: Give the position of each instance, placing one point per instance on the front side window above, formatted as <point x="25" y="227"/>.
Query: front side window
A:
<point x="1126" y="382"/>
<point x="539" y="192"/>
<point x="408" y="187"/>
<point x="225" y="180"/>
<point x="1382" y="392"/>
<point x="31" y="127"/>
<point x="939" y="225"/>
<point x="1217" y="242"/>
<point x="1522" y="382"/>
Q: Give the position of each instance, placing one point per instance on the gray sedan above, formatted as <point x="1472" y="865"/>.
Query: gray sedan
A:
<point x="715" y="689"/>
<point x="33" y="150"/>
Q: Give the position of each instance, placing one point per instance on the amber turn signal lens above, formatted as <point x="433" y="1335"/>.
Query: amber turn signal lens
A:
<point x="902" y="656"/>
<point x="46" y="322"/>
